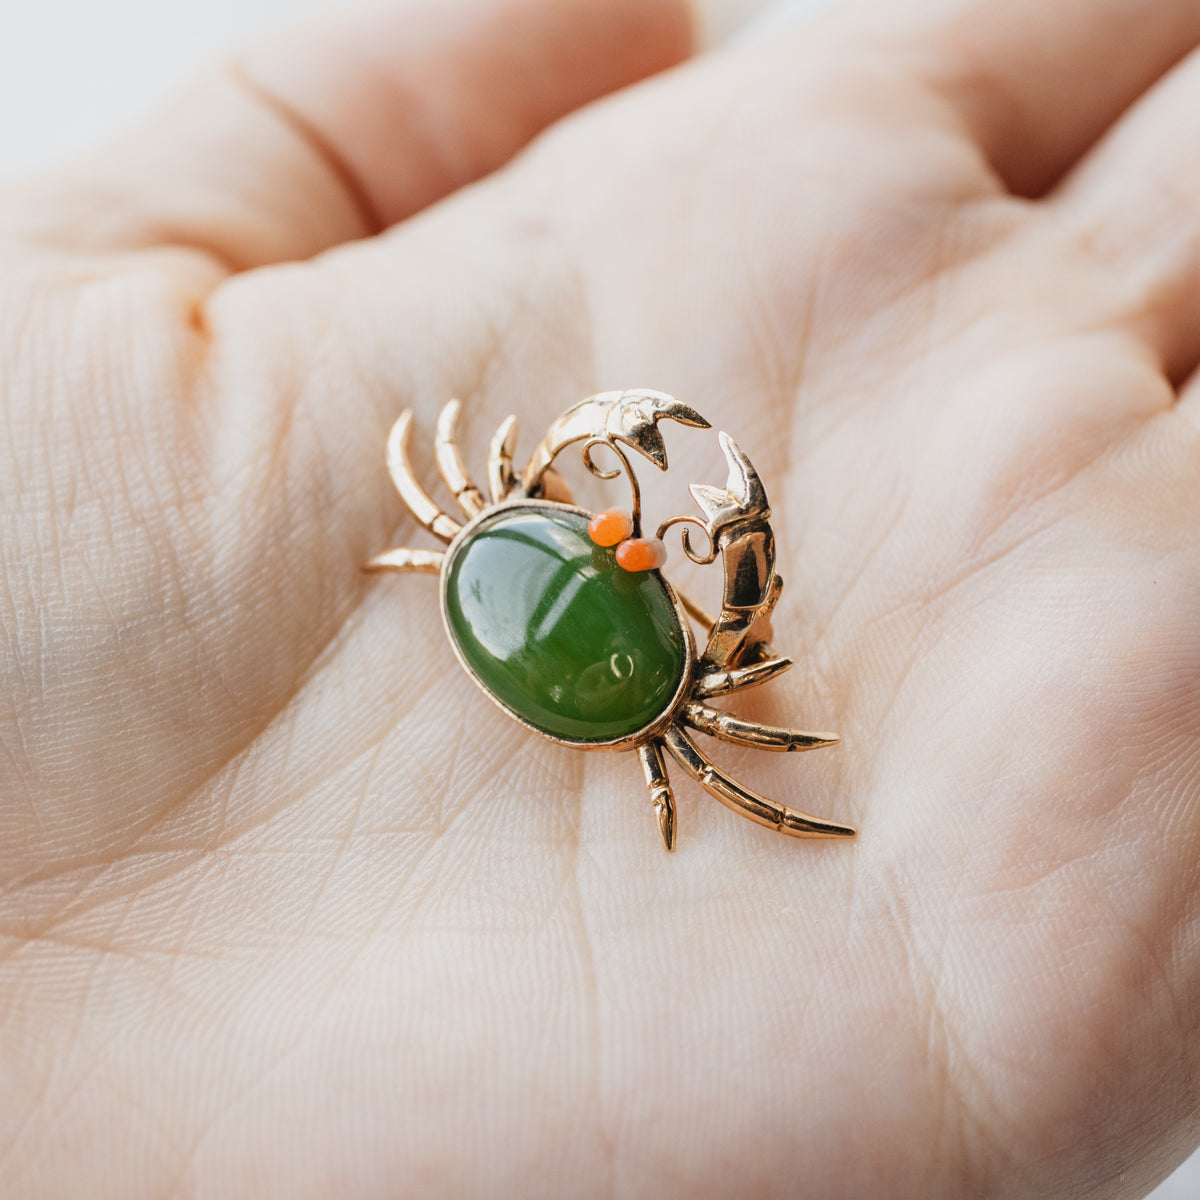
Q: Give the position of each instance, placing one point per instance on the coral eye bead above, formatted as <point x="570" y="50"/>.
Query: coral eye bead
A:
<point x="610" y="528"/>
<point x="641" y="554"/>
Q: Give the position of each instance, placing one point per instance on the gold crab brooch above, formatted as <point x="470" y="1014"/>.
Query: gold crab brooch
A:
<point x="563" y="618"/>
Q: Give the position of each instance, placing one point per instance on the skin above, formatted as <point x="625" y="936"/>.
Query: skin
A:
<point x="289" y="909"/>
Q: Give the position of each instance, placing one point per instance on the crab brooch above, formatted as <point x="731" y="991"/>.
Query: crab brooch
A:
<point x="563" y="618"/>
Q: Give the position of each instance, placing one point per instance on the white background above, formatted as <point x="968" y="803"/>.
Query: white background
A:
<point x="73" y="72"/>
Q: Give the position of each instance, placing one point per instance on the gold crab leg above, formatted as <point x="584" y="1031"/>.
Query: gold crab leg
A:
<point x="418" y="562"/>
<point x="721" y="683"/>
<point x="741" y="799"/>
<point x="701" y="616"/>
<point x="501" y="479"/>
<point x="450" y="463"/>
<point x="410" y="490"/>
<point x="661" y="795"/>
<point x="729" y="636"/>
<point x="740" y="732"/>
<point x="751" y="654"/>
<point x="554" y="487"/>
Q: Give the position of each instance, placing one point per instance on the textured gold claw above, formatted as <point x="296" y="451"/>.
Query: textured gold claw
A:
<point x="630" y="417"/>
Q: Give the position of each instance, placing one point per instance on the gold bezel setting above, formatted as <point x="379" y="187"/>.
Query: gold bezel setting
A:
<point x="629" y="741"/>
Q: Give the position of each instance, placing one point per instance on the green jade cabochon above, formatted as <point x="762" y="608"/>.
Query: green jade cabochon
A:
<point x="551" y="626"/>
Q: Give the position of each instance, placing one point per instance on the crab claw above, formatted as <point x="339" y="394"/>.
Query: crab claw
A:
<point x="738" y="518"/>
<point x="629" y="416"/>
<point x="743" y="495"/>
<point x="634" y="417"/>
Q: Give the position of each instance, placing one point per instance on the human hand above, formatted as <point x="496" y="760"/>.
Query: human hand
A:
<point x="291" y="909"/>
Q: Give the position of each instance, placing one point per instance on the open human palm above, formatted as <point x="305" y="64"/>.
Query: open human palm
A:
<point x="290" y="909"/>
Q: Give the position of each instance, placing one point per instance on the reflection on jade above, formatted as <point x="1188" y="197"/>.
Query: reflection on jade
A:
<point x="557" y="632"/>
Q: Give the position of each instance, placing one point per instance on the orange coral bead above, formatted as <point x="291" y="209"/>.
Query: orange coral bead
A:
<point x="641" y="554"/>
<point x="610" y="528"/>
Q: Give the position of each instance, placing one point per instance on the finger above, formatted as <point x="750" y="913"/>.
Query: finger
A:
<point x="351" y="124"/>
<point x="1131" y="209"/>
<point x="1035" y="82"/>
<point x="1188" y="409"/>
